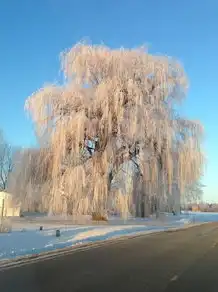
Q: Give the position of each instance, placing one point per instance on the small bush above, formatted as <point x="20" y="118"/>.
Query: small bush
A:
<point x="99" y="217"/>
<point x="5" y="226"/>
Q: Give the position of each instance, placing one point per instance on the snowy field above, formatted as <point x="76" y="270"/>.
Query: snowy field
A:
<point x="26" y="239"/>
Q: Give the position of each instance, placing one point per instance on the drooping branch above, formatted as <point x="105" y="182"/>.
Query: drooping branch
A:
<point x="125" y="100"/>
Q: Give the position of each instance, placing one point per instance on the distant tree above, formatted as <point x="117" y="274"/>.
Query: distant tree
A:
<point x="6" y="162"/>
<point x="29" y="180"/>
<point x="194" y="192"/>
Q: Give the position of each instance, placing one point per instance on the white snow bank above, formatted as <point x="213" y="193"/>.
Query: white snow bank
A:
<point x="200" y="216"/>
<point x="29" y="240"/>
<point x="33" y="241"/>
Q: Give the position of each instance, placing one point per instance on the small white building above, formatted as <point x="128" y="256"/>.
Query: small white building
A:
<point x="8" y="208"/>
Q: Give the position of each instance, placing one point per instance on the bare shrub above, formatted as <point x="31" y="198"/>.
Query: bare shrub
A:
<point x="98" y="217"/>
<point x="5" y="225"/>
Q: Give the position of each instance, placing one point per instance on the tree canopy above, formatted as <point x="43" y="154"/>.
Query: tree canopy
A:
<point x="127" y="100"/>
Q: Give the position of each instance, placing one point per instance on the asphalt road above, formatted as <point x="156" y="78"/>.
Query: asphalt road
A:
<point x="185" y="260"/>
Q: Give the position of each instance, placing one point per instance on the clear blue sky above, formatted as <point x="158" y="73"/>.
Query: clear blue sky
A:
<point x="33" y="32"/>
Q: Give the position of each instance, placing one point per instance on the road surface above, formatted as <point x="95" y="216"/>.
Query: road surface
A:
<point x="186" y="260"/>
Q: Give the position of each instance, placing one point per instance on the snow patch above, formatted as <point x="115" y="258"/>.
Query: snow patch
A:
<point x="27" y="239"/>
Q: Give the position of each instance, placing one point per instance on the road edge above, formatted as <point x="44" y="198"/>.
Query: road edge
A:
<point x="26" y="260"/>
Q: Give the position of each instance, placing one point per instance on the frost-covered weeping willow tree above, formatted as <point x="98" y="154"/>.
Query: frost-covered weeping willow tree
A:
<point x="127" y="99"/>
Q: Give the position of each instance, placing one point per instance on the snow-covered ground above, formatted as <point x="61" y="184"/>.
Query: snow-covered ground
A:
<point x="26" y="238"/>
<point x="200" y="216"/>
